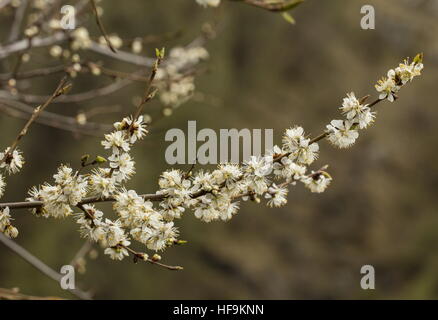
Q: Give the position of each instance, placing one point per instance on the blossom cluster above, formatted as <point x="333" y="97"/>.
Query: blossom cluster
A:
<point x="134" y="214"/>
<point x="11" y="162"/>
<point x="358" y="114"/>
<point x="216" y="195"/>
<point x="109" y="234"/>
<point x="5" y="224"/>
<point x="69" y="189"/>
<point x="176" y="79"/>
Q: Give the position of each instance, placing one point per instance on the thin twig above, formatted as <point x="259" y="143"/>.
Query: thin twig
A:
<point x="61" y="89"/>
<point x="278" y="6"/>
<point x="21" y="110"/>
<point x="101" y="27"/>
<point x="149" y="91"/>
<point x="14" y="294"/>
<point x="34" y="73"/>
<point x="78" y="97"/>
<point x="139" y="256"/>
<point x="85" y="248"/>
<point x="36" y="43"/>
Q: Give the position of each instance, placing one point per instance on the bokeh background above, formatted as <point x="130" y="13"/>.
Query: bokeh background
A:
<point x="264" y="73"/>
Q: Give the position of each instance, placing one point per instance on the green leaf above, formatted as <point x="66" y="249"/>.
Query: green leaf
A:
<point x="160" y="53"/>
<point x="288" y="17"/>
<point x="418" y="58"/>
<point x="100" y="159"/>
<point x="292" y="4"/>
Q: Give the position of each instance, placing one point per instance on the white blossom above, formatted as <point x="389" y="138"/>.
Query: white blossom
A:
<point x="91" y="225"/>
<point x="357" y="112"/>
<point x="137" y="46"/>
<point x="227" y="174"/>
<point x="203" y="181"/>
<point x="124" y="166"/>
<point x="257" y="170"/>
<point x="118" y="252"/>
<point x="117" y="142"/>
<point x="175" y="86"/>
<point x="57" y="200"/>
<point x="114" y="233"/>
<point x="114" y="39"/>
<point x="298" y="146"/>
<point x="342" y="133"/>
<point x="227" y="208"/>
<point x="177" y="91"/>
<point x="170" y="179"/>
<point x="277" y="196"/>
<point x="133" y="210"/>
<point x="205" y="210"/>
<point x="407" y="71"/>
<point x="288" y="169"/>
<point x="11" y="162"/>
<point x="102" y="182"/>
<point x="387" y="87"/>
<point x="137" y="128"/>
<point x="73" y="185"/>
<point x="158" y="238"/>
<point x="5" y="224"/>
<point x="81" y="39"/>
<point x="177" y="190"/>
<point x="211" y="3"/>
<point x="2" y="185"/>
<point x="317" y="182"/>
<point x="55" y="51"/>
<point x="10" y="231"/>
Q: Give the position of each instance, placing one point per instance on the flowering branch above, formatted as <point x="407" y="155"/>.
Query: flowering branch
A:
<point x="61" y="89"/>
<point x="150" y="219"/>
<point x="211" y="195"/>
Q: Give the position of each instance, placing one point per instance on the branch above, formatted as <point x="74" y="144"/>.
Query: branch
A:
<point x="34" y="73"/>
<point x="4" y="3"/>
<point x="150" y="197"/>
<point x="149" y="92"/>
<point x="101" y="27"/>
<point x="39" y="265"/>
<point x="79" y="97"/>
<point x="21" y="110"/>
<point x="36" y="43"/>
<point x="14" y="294"/>
<point x="18" y="19"/>
<point x="274" y="6"/>
<point x="121" y="55"/>
<point x="60" y="90"/>
<point x="139" y="256"/>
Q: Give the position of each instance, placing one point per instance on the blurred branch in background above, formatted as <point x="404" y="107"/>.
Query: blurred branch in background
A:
<point x="39" y="265"/>
<point x="14" y="294"/>
<point x="20" y="110"/>
<point x="272" y="5"/>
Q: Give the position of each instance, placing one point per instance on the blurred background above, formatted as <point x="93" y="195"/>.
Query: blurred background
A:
<point x="263" y="72"/>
